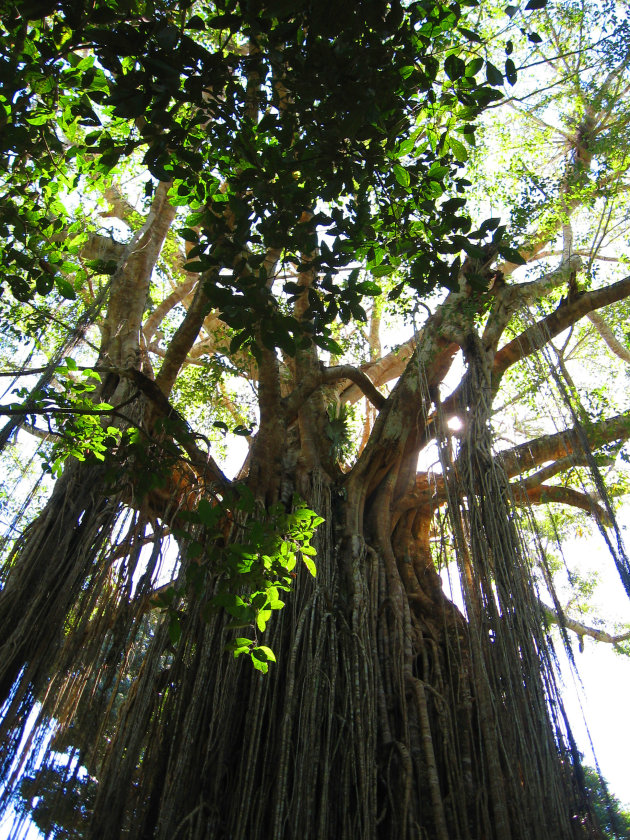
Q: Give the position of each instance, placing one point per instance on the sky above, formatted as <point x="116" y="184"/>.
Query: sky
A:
<point x="605" y="674"/>
<point x="606" y="679"/>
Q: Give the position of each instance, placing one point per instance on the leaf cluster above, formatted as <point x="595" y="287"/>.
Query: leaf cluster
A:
<point x="74" y="418"/>
<point x="252" y="571"/>
<point x="331" y="139"/>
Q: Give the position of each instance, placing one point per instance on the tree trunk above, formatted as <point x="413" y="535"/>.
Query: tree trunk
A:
<point x="384" y="716"/>
<point x="389" y="713"/>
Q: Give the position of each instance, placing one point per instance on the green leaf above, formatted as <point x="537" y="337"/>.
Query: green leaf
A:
<point x="406" y="147"/>
<point x="458" y="149"/>
<point x="41" y="117"/>
<point x="329" y="344"/>
<point x="470" y="35"/>
<point x="454" y="67"/>
<point x="239" y="646"/>
<point x="195" y="267"/>
<point x="310" y="565"/>
<point x="263" y="654"/>
<point x="197" y="23"/>
<point x="43" y="283"/>
<point x="65" y="288"/>
<point x="493" y="74"/>
<point x="510" y="71"/>
<point x="512" y="255"/>
<point x="259" y="600"/>
<point x="401" y="175"/>
<point x="276" y="605"/>
<point x="474" y="66"/>
<point x="263" y="650"/>
<point x="369" y="287"/>
<point x="231" y="22"/>
<point x="208" y="513"/>
<point x="263" y="667"/>
<point x="262" y="618"/>
<point x="489" y="224"/>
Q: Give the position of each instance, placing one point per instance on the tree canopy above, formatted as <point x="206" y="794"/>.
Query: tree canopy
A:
<point x="313" y="330"/>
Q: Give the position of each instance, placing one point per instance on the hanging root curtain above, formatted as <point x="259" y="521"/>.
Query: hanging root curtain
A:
<point x="390" y="712"/>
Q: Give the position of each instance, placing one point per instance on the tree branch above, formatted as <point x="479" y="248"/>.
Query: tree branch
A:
<point x="559" y="466"/>
<point x="120" y="208"/>
<point x="360" y="379"/>
<point x="527" y="456"/>
<point x="545" y="493"/>
<point x="184" y="337"/>
<point x="568" y="313"/>
<point x="202" y="461"/>
<point x="382" y="370"/>
<point x="563" y="449"/>
<point x="605" y="331"/>
<point x="580" y="252"/>
<point x="309" y="385"/>
<point x="159" y="313"/>
<point x="582" y="629"/>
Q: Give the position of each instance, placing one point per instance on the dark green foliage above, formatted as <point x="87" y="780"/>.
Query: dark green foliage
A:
<point x="257" y="113"/>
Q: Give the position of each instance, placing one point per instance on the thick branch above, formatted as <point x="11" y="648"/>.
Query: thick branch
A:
<point x="567" y="313"/>
<point x="545" y="493"/>
<point x="184" y="338"/>
<point x="555" y="468"/>
<point x="382" y="370"/>
<point x="534" y="453"/>
<point x="399" y="431"/>
<point x="202" y="461"/>
<point x="159" y="313"/>
<point x="360" y="379"/>
<point x="510" y="299"/>
<point x="605" y="331"/>
<point x="582" y="629"/>
<point x="434" y="493"/>
<point x="580" y="252"/>
<point x="122" y="326"/>
<point x="120" y="208"/>
<point x="100" y="247"/>
<point x="563" y="449"/>
<point x="311" y="382"/>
